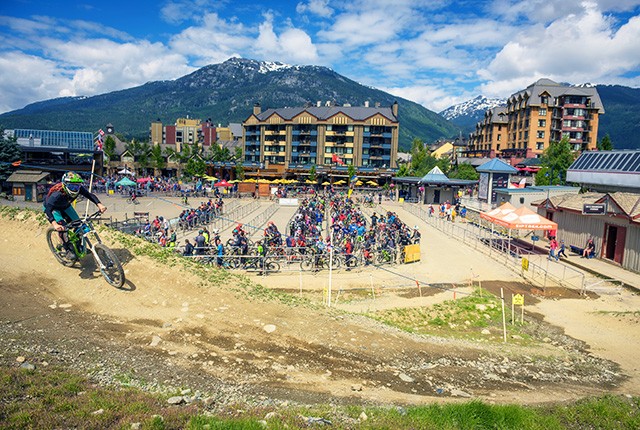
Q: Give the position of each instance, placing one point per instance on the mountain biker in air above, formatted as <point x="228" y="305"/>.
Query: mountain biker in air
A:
<point x="58" y="209"/>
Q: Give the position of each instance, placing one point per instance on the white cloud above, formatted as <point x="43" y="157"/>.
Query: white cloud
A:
<point x="27" y="78"/>
<point x="293" y="45"/>
<point x="178" y="11"/>
<point x="577" y="48"/>
<point x="316" y="7"/>
<point x="213" y="41"/>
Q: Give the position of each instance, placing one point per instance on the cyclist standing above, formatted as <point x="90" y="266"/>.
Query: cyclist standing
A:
<point x="58" y="205"/>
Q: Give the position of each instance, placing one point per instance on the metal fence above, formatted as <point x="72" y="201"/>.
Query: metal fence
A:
<point x="501" y="247"/>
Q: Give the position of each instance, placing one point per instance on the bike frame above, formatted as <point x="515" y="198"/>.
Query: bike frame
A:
<point x="81" y="242"/>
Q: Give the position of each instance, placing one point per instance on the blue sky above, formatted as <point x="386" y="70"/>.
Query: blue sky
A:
<point x="435" y="52"/>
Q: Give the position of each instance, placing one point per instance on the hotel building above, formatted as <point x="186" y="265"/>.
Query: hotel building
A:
<point x="294" y="139"/>
<point x="542" y="113"/>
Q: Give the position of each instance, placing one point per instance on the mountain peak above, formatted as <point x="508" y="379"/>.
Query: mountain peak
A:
<point x="472" y="108"/>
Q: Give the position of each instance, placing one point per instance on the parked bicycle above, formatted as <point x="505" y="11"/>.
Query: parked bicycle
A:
<point x="320" y="261"/>
<point x="84" y="240"/>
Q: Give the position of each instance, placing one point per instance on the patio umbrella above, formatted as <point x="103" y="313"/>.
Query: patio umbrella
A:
<point x="340" y="182"/>
<point x="143" y="180"/>
<point x="222" y="183"/>
<point x="358" y="183"/>
<point x="372" y="183"/>
<point x="309" y="181"/>
<point x="326" y="183"/>
<point x="253" y="181"/>
<point x="210" y="178"/>
<point x="125" y="182"/>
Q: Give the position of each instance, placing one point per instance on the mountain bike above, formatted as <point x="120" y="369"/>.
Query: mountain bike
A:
<point x="260" y="264"/>
<point x="319" y="261"/>
<point x="84" y="240"/>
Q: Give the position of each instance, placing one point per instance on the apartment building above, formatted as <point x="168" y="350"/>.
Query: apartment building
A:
<point x="490" y="135"/>
<point x="185" y="131"/>
<point x="301" y="137"/>
<point x="542" y="113"/>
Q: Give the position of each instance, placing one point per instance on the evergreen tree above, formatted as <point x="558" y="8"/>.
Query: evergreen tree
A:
<point x="605" y="143"/>
<point x="10" y="152"/>
<point x="157" y="158"/>
<point x="109" y="148"/>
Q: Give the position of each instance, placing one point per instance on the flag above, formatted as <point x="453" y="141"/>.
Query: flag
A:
<point x="16" y="163"/>
<point x="101" y="132"/>
<point x="337" y="159"/>
<point x="353" y="178"/>
<point x="98" y="142"/>
<point x="350" y="191"/>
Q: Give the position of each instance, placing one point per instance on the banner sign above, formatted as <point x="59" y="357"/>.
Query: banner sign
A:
<point x="594" y="209"/>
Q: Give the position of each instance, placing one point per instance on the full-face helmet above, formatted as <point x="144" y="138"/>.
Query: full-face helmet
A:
<point x="71" y="183"/>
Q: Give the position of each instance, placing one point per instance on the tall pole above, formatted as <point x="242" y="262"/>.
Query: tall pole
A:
<point x="93" y="166"/>
<point x="330" y="269"/>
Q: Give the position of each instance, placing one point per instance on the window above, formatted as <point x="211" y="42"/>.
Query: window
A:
<point x="542" y="112"/>
<point x="544" y="100"/>
<point x="540" y="146"/>
<point x="499" y="137"/>
<point x="542" y="123"/>
<point x="541" y="134"/>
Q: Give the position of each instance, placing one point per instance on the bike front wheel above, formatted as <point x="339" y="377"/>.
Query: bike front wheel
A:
<point x="109" y="266"/>
<point x="56" y="245"/>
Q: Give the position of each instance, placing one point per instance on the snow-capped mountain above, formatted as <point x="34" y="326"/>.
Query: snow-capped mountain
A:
<point x="473" y="107"/>
<point x="467" y="114"/>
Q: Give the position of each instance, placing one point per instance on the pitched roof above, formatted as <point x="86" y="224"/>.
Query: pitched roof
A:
<point x="357" y="113"/>
<point x="629" y="203"/>
<point x="27" y="176"/>
<point x="435" y="175"/>
<point x="554" y="89"/>
<point x="496" y="165"/>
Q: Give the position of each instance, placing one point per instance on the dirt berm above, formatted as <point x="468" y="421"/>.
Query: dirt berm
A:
<point x="177" y="324"/>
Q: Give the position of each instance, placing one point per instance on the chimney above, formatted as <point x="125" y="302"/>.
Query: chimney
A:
<point x="394" y="109"/>
<point x="256" y="109"/>
<point x="366" y="103"/>
<point x="377" y="104"/>
<point x="319" y="103"/>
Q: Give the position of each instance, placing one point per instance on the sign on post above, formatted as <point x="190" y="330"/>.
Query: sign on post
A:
<point x="518" y="299"/>
<point x="525" y="264"/>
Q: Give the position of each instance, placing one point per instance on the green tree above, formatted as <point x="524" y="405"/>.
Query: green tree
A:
<point x="312" y="173"/>
<point x="141" y="152"/>
<point x="422" y="161"/>
<point x="351" y="171"/>
<point x="195" y="167"/>
<point x="465" y="171"/>
<point x="109" y="148"/>
<point x="157" y="158"/>
<point x="9" y="152"/>
<point x="403" y="170"/>
<point x="555" y="162"/>
<point x="605" y="143"/>
<point x="238" y="155"/>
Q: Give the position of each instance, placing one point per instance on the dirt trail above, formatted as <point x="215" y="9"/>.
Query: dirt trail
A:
<point x="170" y="327"/>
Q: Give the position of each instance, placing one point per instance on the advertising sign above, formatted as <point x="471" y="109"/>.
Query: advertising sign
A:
<point x="594" y="209"/>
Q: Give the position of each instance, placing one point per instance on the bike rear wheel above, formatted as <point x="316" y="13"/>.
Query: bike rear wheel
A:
<point x="109" y="266"/>
<point x="272" y="266"/>
<point x="56" y="245"/>
<point x="307" y="264"/>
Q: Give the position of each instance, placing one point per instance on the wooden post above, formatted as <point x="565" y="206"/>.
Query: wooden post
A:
<point x="504" y="321"/>
<point x="513" y="308"/>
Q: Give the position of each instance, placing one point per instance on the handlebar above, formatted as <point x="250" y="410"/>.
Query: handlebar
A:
<point x="79" y="222"/>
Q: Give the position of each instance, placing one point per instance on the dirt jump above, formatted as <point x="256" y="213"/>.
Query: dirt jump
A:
<point x="177" y="324"/>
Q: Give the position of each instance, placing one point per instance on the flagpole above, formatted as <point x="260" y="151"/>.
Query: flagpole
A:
<point x="93" y="166"/>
